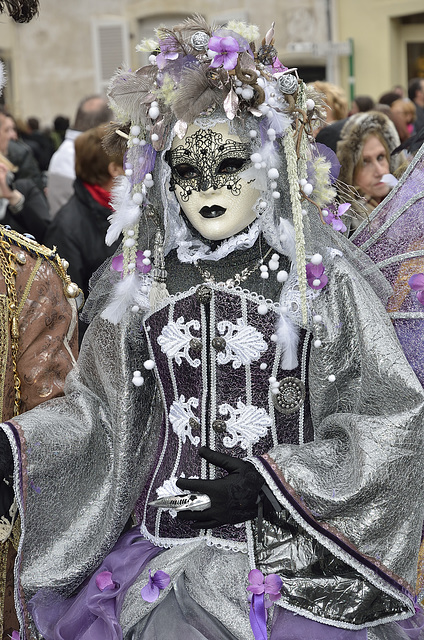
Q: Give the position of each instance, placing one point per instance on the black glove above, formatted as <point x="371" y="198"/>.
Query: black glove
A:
<point x="234" y="497"/>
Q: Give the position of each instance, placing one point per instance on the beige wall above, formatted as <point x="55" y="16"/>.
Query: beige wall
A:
<point x="53" y="59"/>
<point x="379" y="42"/>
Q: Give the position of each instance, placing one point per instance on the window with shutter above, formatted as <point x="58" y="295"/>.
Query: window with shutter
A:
<point x="110" y="50"/>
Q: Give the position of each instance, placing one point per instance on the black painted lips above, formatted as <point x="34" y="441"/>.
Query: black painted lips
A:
<point x="212" y="212"/>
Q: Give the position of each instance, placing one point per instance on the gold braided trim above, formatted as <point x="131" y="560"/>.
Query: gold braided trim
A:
<point x="8" y="270"/>
<point x="33" y="247"/>
<point x="4" y="344"/>
<point x="29" y="285"/>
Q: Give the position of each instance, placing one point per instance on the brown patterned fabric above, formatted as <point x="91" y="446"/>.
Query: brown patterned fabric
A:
<point x="48" y="346"/>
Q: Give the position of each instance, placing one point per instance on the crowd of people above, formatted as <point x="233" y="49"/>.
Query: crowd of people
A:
<point x="237" y="451"/>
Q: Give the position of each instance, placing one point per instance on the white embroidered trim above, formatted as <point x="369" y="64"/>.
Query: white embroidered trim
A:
<point x="174" y="340"/>
<point x="244" y="343"/>
<point x="180" y="415"/>
<point x="246" y="425"/>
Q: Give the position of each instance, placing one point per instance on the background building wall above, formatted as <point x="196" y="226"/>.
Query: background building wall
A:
<point x="72" y="48"/>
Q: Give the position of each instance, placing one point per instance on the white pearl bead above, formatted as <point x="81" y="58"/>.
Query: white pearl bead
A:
<point x="276" y="195"/>
<point x="253" y="133"/>
<point x="317" y="343"/>
<point x="135" y="141"/>
<point x="128" y="172"/>
<point x="263" y="366"/>
<point x="137" y="198"/>
<point x="131" y="266"/>
<point x="316" y="282"/>
<point x="149" y="365"/>
<point x="138" y="381"/>
<point x="129" y="243"/>
<point x="147" y="253"/>
<point x="274" y="337"/>
<point x="307" y="189"/>
<point x="271" y="132"/>
<point x="239" y="90"/>
<point x="135" y="130"/>
<point x="331" y="378"/>
<point x="262" y="205"/>
<point x="316" y="258"/>
<point x="310" y="104"/>
<point x="272" y="379"/>
<point x="263" y="309"/>
<point x="282" y="276"/>
<point x="317" y="318"/>
<point x="135" y="308"/>
<point x="302" y="182"/>
<point x="155" y="137"/>
<point x="324" y="213"/>
<point x="273" y="173"/>
<point x="146" y="261"/>
<point x="274" y="185"/>
<point x="275" y="257"/>
<point x="130" y="232"/>
<point x="273" y="265"/>
<point x="256" y="157"/>
<point x="247" y="93"/>
<point x="263" y="267"/>
<point x="275" y="390"/>
<point x="144" y="289"/>
<point x="154" y="113"/>
<point x="257" y="165"/>
<point x="264" y="275"/>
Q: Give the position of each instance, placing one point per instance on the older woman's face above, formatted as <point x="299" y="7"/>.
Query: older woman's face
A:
<point x="375" y="165"/>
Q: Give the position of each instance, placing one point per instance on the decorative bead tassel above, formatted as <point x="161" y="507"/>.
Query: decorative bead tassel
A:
<point x="158" y="291"/>
<point x="290" y="151"/>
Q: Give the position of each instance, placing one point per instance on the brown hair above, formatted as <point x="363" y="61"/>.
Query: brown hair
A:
<point x="91" y="160"/>
<point x="376" y="133"/>
<point x="335" y="98"/>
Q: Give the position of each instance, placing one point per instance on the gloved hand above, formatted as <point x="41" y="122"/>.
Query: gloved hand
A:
<point x="234" y="497"/>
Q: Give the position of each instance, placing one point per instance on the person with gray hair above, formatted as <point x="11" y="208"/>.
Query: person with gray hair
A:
<point x="92" y="111"/>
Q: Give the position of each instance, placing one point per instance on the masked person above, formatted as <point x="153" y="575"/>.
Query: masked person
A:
<point x="235" y="352"/>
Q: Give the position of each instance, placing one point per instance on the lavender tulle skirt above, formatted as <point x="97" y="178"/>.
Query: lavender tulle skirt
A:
<point x="93" y="614"/>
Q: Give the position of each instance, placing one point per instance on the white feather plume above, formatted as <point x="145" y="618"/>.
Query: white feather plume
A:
<point x="287" y="239"/>
<point x="123" y="295"/>
<point x="288" y="338"/>
<point x="127" y="212"/>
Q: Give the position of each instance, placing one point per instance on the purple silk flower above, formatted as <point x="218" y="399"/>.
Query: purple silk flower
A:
<point x="156" y="583"/>
<point x="416" y="282"/>
<point x="104" y="581"/>
<point x="227" y="52"/>
<point x="118" y="263"/>
<point x="259" y="587"/>
<point x="333" y="217"/>
<point x="315" y="276"/>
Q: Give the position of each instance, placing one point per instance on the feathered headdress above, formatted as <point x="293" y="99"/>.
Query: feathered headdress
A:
<point x="195" y="71"/>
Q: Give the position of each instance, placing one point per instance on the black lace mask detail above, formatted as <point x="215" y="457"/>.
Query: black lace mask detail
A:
<point x="208" y="160"/>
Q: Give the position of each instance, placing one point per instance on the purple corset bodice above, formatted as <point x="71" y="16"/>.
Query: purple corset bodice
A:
<point x="214" y="355"/>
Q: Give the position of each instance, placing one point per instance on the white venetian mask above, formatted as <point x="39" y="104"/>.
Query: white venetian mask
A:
<point x="206" y="166"/>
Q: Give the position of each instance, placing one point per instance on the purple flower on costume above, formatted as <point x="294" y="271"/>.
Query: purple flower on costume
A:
<point x="150" y="593"/>
<point x="166" y="52"/>
<point x="227" y="52"/>
<point x="334" y="217"/>
<point x="118" y="263"/>
<point x="15" y="635"/>
<point x="278" y="67"/>
<point x="416" y="282"/>
<point x="271" y="585"/>
<point x="104" y="581"/>
<point x="315" y="276"/>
